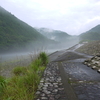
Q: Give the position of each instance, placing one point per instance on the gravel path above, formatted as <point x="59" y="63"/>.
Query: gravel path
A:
<point x="51" y="86"/>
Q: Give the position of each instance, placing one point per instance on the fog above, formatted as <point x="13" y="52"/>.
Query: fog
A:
<point x="34" y="48"/>
<point x="25" y="56"/>
<point x="71" y="16"/>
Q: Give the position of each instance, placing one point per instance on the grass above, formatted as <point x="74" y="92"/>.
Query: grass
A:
<point x="2" y="85"/>
<point x="24" y="82"/>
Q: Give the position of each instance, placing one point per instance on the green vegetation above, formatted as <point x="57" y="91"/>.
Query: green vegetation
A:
<point x="44" y="58"/>
<point x="18" y="71"/>
<point x="2" y="85"/>
<point x="15" y="34"/>
<point x="91" y="35"/>
<point x="24" y="83"/>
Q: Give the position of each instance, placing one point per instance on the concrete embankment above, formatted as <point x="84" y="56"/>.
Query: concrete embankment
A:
<point x="67" y="78"/>
<point x="54" y="85"/>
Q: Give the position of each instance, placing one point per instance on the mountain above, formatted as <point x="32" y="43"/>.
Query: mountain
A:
<point x="55" y="35"/>
<point x="63" y="40"/>
<point x="91" y="35"/>
<point x="15" y="34"/>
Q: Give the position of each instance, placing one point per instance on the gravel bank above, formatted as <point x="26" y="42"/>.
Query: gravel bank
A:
<point x="51" y="86"/>
<point x="92" y="48"/>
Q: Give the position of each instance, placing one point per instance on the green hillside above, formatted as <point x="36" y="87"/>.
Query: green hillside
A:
<point x="91" y="35"/>
<point x="95" y="29"/>
<point x="14" y="33"/>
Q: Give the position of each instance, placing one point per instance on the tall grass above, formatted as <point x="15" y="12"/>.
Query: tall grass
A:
<point x="43" y="58"/>
<point x="2" y="85"/>
<point x="24" y="83"/>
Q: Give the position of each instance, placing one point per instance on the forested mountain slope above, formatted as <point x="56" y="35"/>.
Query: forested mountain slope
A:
<point x="91" y="35"/>
<point x="15" y="34"/>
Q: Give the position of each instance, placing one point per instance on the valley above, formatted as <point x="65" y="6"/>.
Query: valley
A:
<point x="49" y="50"/>
<point x="21" y="45"/>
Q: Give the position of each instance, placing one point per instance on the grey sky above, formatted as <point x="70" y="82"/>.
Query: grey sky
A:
<point x="71" y="16"/>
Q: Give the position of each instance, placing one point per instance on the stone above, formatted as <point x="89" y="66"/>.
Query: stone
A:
<point x="57" y="96"/>
<point x="60" y="83"/>
<point x="44" y="88"/>
<point x="60" y="89"/>
<point x="55" y="86"/>
<point x="93" y="67"/>
<point x="47" y="83"/>
<point x="43" y="95"/>
<point x="96" y="62"/>
<point x="38" y="92"/>
<point x="47" y="79"/>
<point x="44" y="98"/>
<point x="51" y="98"/>
<point x="80" y="81"/>
<point x="48" y="92"/>
<point x="89" y="64"/>
<point x="55" y="83"/>
<point x="99" y="70"/>
<point x="55" y="90"/>
<point x="42" y="80"/>
<point x="41" y="84"/>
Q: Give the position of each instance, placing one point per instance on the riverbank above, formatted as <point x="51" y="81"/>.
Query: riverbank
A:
<point x="23" y="84"/>
<point x="91" y="48"/>
<point x="67" y="78"/>
<point x="82" y="80"/>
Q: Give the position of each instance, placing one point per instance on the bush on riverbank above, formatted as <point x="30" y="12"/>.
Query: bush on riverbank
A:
<point x="24" y="83"/>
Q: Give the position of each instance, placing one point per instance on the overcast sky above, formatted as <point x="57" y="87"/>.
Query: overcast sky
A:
<point x="71" y="16"/>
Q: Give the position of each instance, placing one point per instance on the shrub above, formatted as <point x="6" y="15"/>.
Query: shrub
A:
<point x="44" y="58"/>
<point x="36" y="64"/>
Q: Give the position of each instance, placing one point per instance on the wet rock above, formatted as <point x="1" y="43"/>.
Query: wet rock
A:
<point x="98" y="70"/>
<point x="94" y="62"/>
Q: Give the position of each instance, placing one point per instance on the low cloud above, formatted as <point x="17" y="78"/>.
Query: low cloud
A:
<point x="71" y="16"/>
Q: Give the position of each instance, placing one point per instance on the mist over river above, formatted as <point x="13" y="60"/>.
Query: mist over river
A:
<point x="25" y="55"/>
<point x="22" y="55"/>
